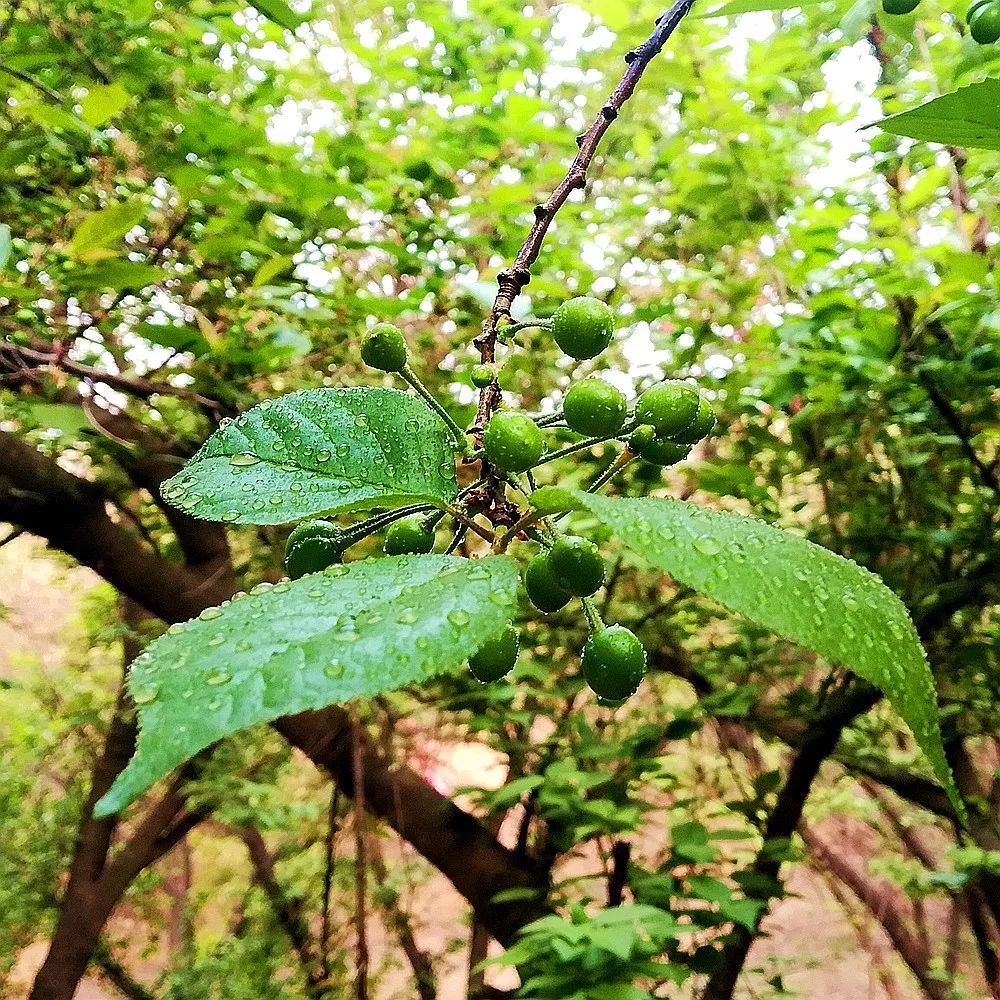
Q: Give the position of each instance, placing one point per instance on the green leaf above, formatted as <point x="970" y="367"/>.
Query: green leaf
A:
<point x="351" y="631"/>
<point x="119" y="275"/>
<point x="319" y="451"/>
<point x="967" y="117"/>
<point x="270" y="269"/>
<point x="65" y="418"/>
<point x="5" y="246"/>
<point x="747" y="6"/>
<point x="797" y="589"/>
<point x="103" y="103"/>
<point x="100" y="229"/>
<point x="279" y="12"/>
<point x="180" y="338"/>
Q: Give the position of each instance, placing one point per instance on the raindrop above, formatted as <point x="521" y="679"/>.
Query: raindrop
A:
<point x="707" y="545"/>
<point x="218" y="677"/>
<point x="459" y="617"/>
<point x="145" y="696"/>
<point x="244" y="459"/>
<point x="210" y="613"/>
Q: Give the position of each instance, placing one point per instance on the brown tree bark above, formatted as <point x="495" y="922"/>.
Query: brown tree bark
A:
<point x="886" y="904"/>
<point x="74" y="515"/>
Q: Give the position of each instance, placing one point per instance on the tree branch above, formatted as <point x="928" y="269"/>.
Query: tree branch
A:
<point x="40" y="496"/>
<point x="512" y="280"/>
<point x="818" y="743"/>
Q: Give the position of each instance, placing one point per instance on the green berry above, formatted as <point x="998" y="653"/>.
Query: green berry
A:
<point x="513" y="442"/>
<point x="701" y="426"/>
<point x="408" y="537"/>
<point x="595" y="407"/>
<point x="577" y="565"/>
<point x="543" y="590"/>
<point x="614" y="662"/>
<point x="669" y="407"/>
<point x="657" y="450"/>
<point x="583" y="327"/>
<point x="900" y="6"/>
<point x="483" y="375"/>
<point x="984" y="24"/>
<point x="642" y="437"/>
<point x="312" y="546"/>
<point x="497" y="657"/>
<point x="385" y="348"/>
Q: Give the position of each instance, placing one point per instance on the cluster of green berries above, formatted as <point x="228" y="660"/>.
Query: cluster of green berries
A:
<point x="983" y="17"/>
<point x="666" y="421"/>
<point x="670" y="417"/>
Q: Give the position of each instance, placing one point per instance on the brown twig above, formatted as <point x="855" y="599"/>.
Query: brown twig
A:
<point x="357" y="767"/>
<point x="134" y="385"/>
<point x="513" y="279"/>
<point x="330" y="860"/>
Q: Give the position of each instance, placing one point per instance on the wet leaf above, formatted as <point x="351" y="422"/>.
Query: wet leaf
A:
<point x="319" y="451"/>
<point x="792" y="586"/>
<point x="351" y="631"/>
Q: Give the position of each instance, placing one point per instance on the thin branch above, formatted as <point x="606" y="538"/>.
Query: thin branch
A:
<point x="330" y="860"/>
<point x="32" y="81"/>
<point x="131" y="385"/>
<point x="420" y="963"/>
<point x="15" y="6"/>
<point x="119" y="976"/>
<point x="286" y="909"/>
<point x="360" y="873"/>
<point x="513" y="279"/>
<point x="819" y="742"/>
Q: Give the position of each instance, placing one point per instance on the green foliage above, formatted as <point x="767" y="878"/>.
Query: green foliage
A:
<point x="350" y="631"/>
<point x="249" y="194"/>
<point x="967" y="117"/>
<point x="321" y="451"/>
<point x="790" y="585"/>
<point x="598" y="957"/>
